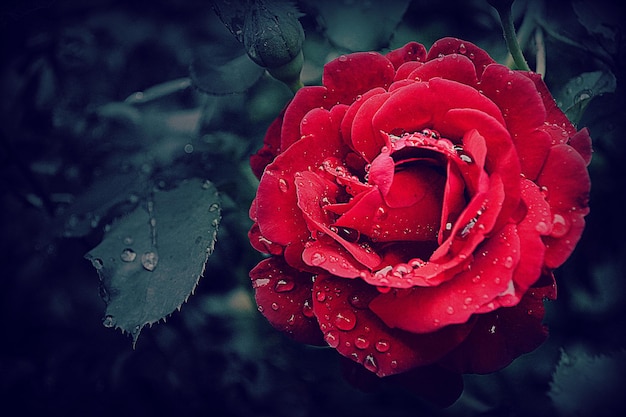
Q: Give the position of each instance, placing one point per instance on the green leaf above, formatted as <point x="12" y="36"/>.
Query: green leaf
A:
<point x="151" y="260"/>
<point x="580" y="90"/>
<point x="589" y="385"/>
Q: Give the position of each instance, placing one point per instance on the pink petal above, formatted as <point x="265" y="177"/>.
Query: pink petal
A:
<point x="348" y="325"/>
<point x="427" y="309"/>
<point x="282" y="294"/>
<point x="503" y="335"/>
<point x="412" y="51"/>
<point x="350" y="75"/>
<point x="449" y="46"/>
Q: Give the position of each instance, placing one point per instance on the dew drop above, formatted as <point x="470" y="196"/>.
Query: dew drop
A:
<point x="307" y="310"/>
<point x="283" y="185"/>
<point x="318" y="258"/>
<point x="468" y="300"/>
<point x="283" y="285"/>
<point x="149" y="260"/>
<point x="393" y="364"/>
<point x="450" y="310"/>
<point x="128" y="240"/>
<point x="560" y="226"/>
<point x="108" y="321"/>
<point x="462" y="49"/>
<point x="345" y="320"/>
<point x="370" y="363"/>
<point x="320" y="296"/>
<point x="542" y="228"/>
<point x="357" y="301"/>
<point x="332" y="338"/>
<point x="351" y="235"/>
<point x="508" y="262"/>
<point x="214" y="207"/>
<point x="291" y="320"/>
<point x="361" y="342"/>
<point x="275" y="306"/>
<point x="382" y="346"/>
<point x="128" y="255"/>
<point x="343" y="58"/>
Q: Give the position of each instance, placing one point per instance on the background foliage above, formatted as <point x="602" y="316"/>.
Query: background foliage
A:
<point x="97" y="109"/>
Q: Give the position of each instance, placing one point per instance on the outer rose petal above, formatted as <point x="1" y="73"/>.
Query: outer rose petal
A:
<point x="305" y="100"/>
<point x="448" y="46"/>
<point x="568" y="184"/>
<point x="451" y="67"/>
<point x="412" y="51"/>
<point x="524" y="113"/>
<point x="357" y="73"/>
<point x="281" y="294"/>
<point x="350" y="327"/>
<point x="501" y="336"/>
<point x="554" y="115"/>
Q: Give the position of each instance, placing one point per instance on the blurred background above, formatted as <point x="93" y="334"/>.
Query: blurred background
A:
<point x="97" y="105"/>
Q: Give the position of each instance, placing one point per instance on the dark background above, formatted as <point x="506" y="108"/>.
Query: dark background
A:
<point x="73" y="155"/>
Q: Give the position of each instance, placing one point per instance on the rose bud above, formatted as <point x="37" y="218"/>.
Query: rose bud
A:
<point x="273" y="38"/>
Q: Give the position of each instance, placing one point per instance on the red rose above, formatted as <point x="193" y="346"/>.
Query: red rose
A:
<point x="415" y="206"/>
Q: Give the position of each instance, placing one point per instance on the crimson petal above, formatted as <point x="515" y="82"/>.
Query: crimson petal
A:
<point x="282" y="294"/>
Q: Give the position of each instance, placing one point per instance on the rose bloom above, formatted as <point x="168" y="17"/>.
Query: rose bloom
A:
<point x="414" y="207"/>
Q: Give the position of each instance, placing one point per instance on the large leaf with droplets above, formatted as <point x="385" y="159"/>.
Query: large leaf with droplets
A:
<point x="580" y="90"/>
<point x="150" y="261"/>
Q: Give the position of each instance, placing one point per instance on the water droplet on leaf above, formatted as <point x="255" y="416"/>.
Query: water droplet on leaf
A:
<point x="128" y="255"/>
<point x="149" y="260"/>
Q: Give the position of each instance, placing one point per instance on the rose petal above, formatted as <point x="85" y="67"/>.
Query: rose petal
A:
<point x="350" y="75"/>
<point x="554" y="115"/>
<point x="306" y="99"/>
<point x="426" y="104"/>
<point x="350" y="327"/>
<point x="451" y="67"/>
<point x="524" y="113"/>
<point x="567" y="185"/>
<point x="278" y="216"/>
<point x="581" y="141"/>
<point x="348" y="120"/>
<point x="448" y="46"/>
<point x="282" y="294"/>
<point x="271" y="147"/>
<point x="503" y="335"/>
<point x="366" y="140"/>
<point x="333" y="258"/>
<point x="406" y="69"/>
<point x="427" y="309"/>
<point x="412" y="51"/>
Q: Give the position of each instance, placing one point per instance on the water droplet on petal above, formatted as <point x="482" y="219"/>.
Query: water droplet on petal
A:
<point x="128" y="255"/>
<point x="357" y="301"/>
<point x="560" y="226"/>
<point x="462" y="49"/>
<point x="318" y="258"/>
<point x="345" y="320"/>
<point x="468" y="300"/>
<point x="320" y="296"/>
<point x="307" y="310"/>
<point x="283" y="285"/>
<point x="450" y="310"/>
<point x="149" y="260"/>
<point x="542" y="228"/>
<point x="343" y="58"/>
<point x="275" y="306"/>
<point x="508" y="262"/>
<point x="283" y="185"/>
<point x="370" y="363"/>
<point x="351" y="235"/>
<point x="361" y="342"/>
<point x="332" y="338"/>
<point x="382" y="346"/>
